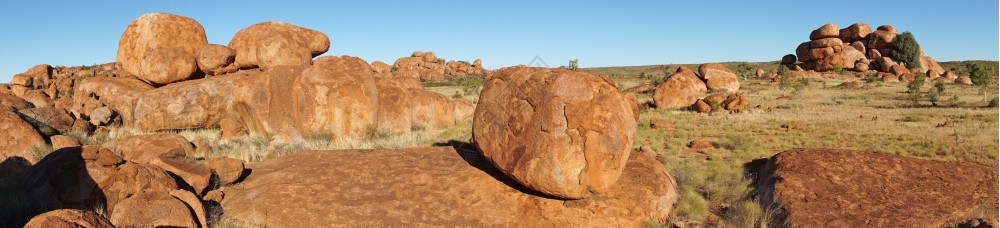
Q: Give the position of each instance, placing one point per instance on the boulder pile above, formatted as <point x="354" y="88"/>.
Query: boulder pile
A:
<point x="265" y="81"/>
<point x="686" y="89"/>
<point x="554" y="145"/>
<point x="860" y="49"/>
<point x="428" y="67"/>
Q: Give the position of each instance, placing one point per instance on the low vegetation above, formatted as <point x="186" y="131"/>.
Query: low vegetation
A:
<point x="950" y="123"/>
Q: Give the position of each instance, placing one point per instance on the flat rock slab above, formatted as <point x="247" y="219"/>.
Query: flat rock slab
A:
<point x="844" y="188"/>
<point x="434" y="186"/>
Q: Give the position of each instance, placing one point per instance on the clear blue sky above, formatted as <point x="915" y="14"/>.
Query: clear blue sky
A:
<point x="505" y="33"/>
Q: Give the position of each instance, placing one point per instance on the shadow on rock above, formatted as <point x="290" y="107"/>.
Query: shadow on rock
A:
<point x="471" y="155"/>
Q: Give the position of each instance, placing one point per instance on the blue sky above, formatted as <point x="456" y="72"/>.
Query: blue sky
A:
<point x="505" y="33"/>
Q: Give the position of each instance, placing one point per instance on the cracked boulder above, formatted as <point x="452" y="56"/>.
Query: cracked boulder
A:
<point x="560" y="132"/>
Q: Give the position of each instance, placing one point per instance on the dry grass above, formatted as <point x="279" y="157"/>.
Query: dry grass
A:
<point x="714" y="186"/>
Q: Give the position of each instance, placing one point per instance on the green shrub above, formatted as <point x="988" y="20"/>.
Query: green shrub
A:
<point x="993" y="102"/>
<point x="871" y="77"/>
<point x="906" y="50"/>
<point x="465" y="62"/>
<point x="800" y="86"/>
<point x="939" y="86"/>
<point x="918" y="81"/>
<point x="839" y="70"/>
<point x="784" y="82"/>
<point x="981" y="75"/>
<point x="457" y="95"/>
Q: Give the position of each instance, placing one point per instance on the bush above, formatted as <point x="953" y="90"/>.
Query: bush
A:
<point x="800" y="86"/>
<point x="993" y="102"/>
<point x="981" y="75"/>
<point x="939" y="86"/>
<point x="906" y="50"/>
<point x="839" y="70"/>
<point x="785" y="82"/>
<point x="918" y="81"/>
<point x="871" y="77"/>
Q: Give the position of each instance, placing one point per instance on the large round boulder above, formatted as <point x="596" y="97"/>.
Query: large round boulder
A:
<point x="855" y="32"/>
<point x="275" y="43"/>
<point x="680" y="90"/>
<point x="560" y="132"/>
<point x="336" y="96"/>
<point x="825" y="31"/>
<point x="157" y="30"/>
<point x="719" y="77"/>
<point x="163" y="66"/>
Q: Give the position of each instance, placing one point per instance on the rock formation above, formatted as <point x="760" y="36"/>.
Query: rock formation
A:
<point x="568" y="137"/>
<point x="856" y="48"/>
<point x="436" y="186"/>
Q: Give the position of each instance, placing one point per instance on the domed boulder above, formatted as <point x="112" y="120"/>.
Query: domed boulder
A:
<point x="275" y="43"/>
<point x="680" y="90"/>
<point x="336" y="96"/>
<point x="157" y="30"/>
<point x="560" y="132"/>
<point x="719" y="77"/>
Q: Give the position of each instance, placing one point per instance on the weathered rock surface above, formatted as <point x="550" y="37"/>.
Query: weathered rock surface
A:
<point x="118" y="94"/>
<point x="275" y="43"/>
<point x="162" y="66"/>
<point x="657" y="123"/>
<point x="679" y="90"/>
<point x="157" y="30"/>
<point x="825" y="31"/>
<point x="431" y="187"/>
<point x="18" y="137"/>
<point x="718" y="77"/>
<point x="196" y="176"/>
<point x="644" y="88"/>
<point x="213" y="57"/>
<point x="69" y="218"/>
<point x="62" y="141"/>
<point x="82" y="178"/>
<point x="145" y="148"/>
<point x="855" y="32"/>
<point x="153" y="210"/>
<point x="49" y="121"/>
<point x="337" y="96"/>
<point x="560" y="132"/>
<point x="228" y="169"/>
<point x="842" y="188"/>
<point x="13" y="103"/>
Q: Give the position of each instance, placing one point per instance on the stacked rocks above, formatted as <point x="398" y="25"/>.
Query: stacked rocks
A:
<point x="857" y="48"/>
<point x="427" y="67"/>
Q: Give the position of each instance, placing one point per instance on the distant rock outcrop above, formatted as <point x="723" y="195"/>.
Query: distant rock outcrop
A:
<point x="856" y="48"/>
<point x="427" y="67"/>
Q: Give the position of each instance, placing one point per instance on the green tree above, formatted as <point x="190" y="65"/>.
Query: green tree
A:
<point x="572" y="65"/>
<point x="906" y="50"/>
<point x="981" y="75"/>
<point x="744" y="69"/>
<point x="783" y="72"/>
<point x="918" y="81"/>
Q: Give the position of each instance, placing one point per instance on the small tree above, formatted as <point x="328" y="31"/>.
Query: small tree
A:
<point x="980" y="75"/>
<point x="572" y="65"/>
<point x="918" y="81"/>
<point x="744" y="69"/>
<point x="905" y="49"/>
<point x="783" y="74"/>
<point x="939" y="86"/>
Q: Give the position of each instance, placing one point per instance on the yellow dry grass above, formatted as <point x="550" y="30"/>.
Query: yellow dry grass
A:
<point x="880" y="117"/>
